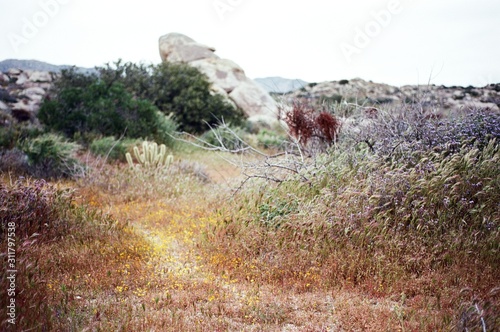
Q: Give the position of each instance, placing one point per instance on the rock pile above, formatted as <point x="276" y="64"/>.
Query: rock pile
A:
<point x="431" y="97"/>
<point x="21" y="93"/>
<point x="227" y="78"/>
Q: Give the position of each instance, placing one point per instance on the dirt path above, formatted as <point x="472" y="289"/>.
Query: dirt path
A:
<point x="212" y="301"/>
<point x="177" y="286"/>
<point x="223" y="303"/>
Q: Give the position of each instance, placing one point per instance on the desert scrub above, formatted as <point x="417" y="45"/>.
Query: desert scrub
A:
<point x="34" y="206"/>
<point x="135" y="182"/>
<point x="232" y="139"/>
<point x="403" y="134"/>
<point x="125" y="99"/>
<point x="86" y="106"/>
<point x="425" y="228"/>
<point x="111" y="148"/>
<point x="50" y="156"/>
<point x="271" y="139"/>
<point x="53" y="236"/>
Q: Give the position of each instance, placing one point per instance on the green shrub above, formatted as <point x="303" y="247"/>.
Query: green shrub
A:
<point x="123" y="100"/>
<point x="12" y="134"/>
<point x="111" y="148"/>
<point x="7" y="137"/>
<point x="101" y="109"/>
<point x="271" y="139"/>
<point x="225" y="138"/>
<point x="185" y="92"/>
<point x="166" y="128"/>
<point x="50" y="155"/>
<point x="177" y="89"/>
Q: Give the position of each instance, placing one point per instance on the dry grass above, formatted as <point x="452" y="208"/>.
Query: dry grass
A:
<point x="183" y="253"/>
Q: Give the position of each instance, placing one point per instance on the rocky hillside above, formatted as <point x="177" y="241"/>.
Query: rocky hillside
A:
<point x="21" y="93"/>
<point x="431" y="97"/>
<point x="23" y="85"/>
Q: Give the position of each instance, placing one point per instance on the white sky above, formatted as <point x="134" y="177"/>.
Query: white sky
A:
<point x="451" y="42"/>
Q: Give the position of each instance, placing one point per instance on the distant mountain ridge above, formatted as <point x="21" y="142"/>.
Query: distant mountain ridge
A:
<point x="36" y="65"/>
<point x="279" y="84"/>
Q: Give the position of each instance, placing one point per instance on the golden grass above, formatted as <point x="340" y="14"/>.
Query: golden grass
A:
<point x="168" y="261"/>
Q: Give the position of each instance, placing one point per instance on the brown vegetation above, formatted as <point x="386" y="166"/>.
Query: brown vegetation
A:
<point x="403" y="236"/>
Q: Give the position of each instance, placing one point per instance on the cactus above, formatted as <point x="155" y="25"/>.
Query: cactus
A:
<point x="152" y="157"/>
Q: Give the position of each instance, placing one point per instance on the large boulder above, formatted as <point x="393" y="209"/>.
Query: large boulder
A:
<point x="175" y="47"/>
<point x="227" y="78"/>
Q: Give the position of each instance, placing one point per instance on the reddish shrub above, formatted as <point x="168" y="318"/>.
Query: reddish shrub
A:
<point x="305" y="123"/>
<point x="300" y="122"/>
<point x="328" y="126"/>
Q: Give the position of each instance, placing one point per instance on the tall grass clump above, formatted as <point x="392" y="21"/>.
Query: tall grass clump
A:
<point x="34" y="207"/>
<point x="61" y="248"/>
<point x="408" y="206"/>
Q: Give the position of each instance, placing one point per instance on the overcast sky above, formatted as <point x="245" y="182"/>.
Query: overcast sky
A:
<point x="451" y="42"/>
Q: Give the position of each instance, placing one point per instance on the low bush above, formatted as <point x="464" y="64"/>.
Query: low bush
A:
<point x="403" y="134"/>
<point x="166" y="128"/>
<point x="7" y="137"/>
<point x="227" y="138"/>
<point x="50" y="156"/>
<point x="271" y="139"/>
<point x="13" y="160"/>
<point x="13" y="133"/>
<point x="99" y="109"/>
<point x="111" y="148"/>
